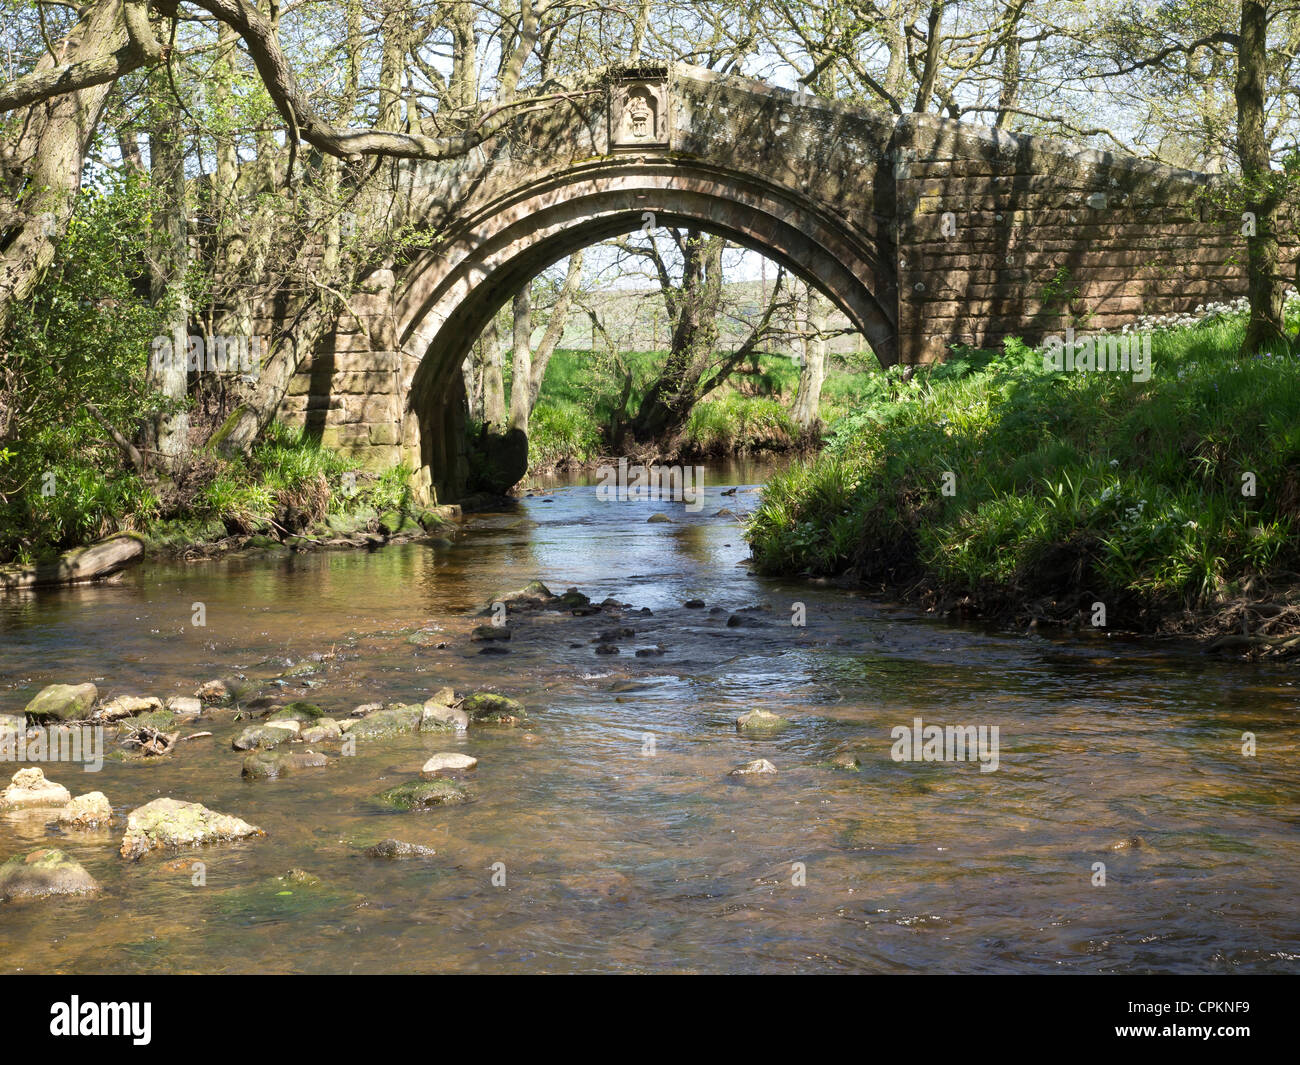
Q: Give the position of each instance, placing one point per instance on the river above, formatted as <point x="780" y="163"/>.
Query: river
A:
<point x="607" y="835"/>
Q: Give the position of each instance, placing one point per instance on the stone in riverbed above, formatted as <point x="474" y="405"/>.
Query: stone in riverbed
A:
<point x="487" y="708"/>
<point x="655" y="519"/>
<point x="393" y="849"/>
<point x="63" y="702"/>
<point x="365" y="709"/>
<point x="128" y="706"/>
<point x="422" y="794"/>
<point x="760" y="723"/>
<point x="758" y="767"/>
<point x="214" y="693"/>
<point x="438" y="717"/>
<point x="302" y="713"/>
<point x="532" y="594"/>
<point x="184" y="706"/>
<point x="326" y="728"/>
<point x="269" y="765"/>
<point x="391" y="721"/>
<point x="264" y="737"/>
<point x="448" y="762"/>
<point x="490" y="632"/>
<point x="43" y="873"/>
<point x="91" y="810"/>
<point x="30" y="788"/>
<point x="171" y="823"/>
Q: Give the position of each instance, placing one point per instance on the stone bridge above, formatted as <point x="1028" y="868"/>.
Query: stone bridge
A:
<point x="925" y="232"/>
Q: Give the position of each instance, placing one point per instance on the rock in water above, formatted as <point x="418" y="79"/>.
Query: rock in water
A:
<point x="30" y="788"/>
<point x="184" y="706"/>
<point x="449" y="762"/>
<point x="438" y="717"/>
<point x="268" y="765"/>
<point x="214" y="693"/>
<point x="758" y="767"/>
<point x="655" y="519"/>
<point x="170" y="823"/>
<point x="264" y="737"/>
<point x="487" y="708"/>
<point x="760" y="723"/>
<point x="393" y="849"/>
<point x="43" y="873"/>
<point x="422" y="794"/>
<point x="87" y="811"/>
<point x="128" y="706"/>
<point x="63" y="702"/>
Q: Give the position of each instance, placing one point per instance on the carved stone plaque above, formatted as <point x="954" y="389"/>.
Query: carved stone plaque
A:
<point x="638" y="114"/>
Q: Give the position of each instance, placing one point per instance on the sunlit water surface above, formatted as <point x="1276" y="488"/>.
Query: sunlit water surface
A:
<point x="622" y="841"/>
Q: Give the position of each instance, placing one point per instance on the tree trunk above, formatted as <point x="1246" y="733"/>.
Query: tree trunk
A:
<point x="494" y="387"/>
<point x="522" y="365"/>
<point x="169" y="434"/>
<point x="1265" y="331"/>
<point x="555" y="327"/>
<point x="807" y="403"/>
<point x="46" y="147"/>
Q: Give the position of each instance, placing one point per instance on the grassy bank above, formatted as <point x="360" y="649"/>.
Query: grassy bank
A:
<point x="1067" y="490"/>
<point x="289" y="490"/>
<point x="579" y="408"/>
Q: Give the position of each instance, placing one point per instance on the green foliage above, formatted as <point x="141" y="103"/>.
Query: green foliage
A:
<point x="1069" y="486"/>
<point x="83" y="338"/>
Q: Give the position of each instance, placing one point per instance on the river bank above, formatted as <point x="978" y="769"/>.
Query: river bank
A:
<point x="995" y="487"/>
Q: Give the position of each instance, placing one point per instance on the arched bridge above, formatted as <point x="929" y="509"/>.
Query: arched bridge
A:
<point x="925" y="232"/>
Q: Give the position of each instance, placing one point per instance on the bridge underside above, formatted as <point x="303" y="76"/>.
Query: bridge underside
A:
<point x="924" y="232"/>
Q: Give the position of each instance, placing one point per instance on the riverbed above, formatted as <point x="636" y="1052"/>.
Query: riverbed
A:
<point x="606" y="834"/>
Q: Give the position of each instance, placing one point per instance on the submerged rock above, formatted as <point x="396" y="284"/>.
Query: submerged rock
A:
<point x="302" y="713"/>
<point x="214" y="693"/>
<point x="758" y="767"/>
<point x="172" y="823"/>
<point x="63" y="702"/>
<point x="28" y="787"/>
<point x="264" y="737"/>
<point x="438" y="717"/>
<point x="487" y="708"/>
<point x="269" y="765"/>
<point x="43" y="873"/>
<point x="422" y="794"/>
<point x="91" y="810"/>
<point x="490" y="632"/>
<point x="449" y="762"/>
<point x="326" y="728"/>
<point x="760" y="722"/>
<point x="849" y="762"/>
<point x="655" y="519"/>
<point x="394" y="849"/>
<point x="391" y="721"/>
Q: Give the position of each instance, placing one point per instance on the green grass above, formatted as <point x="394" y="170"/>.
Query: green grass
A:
<point x="1069" y="488"/>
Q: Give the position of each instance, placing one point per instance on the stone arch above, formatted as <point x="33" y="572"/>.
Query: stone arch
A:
<point x="445" y="297"/>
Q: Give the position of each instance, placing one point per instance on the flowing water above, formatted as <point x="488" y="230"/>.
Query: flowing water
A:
<point x="606" y="835"/>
